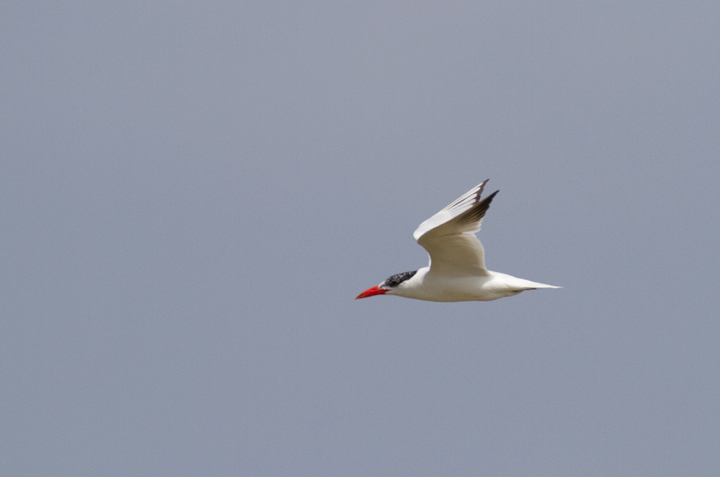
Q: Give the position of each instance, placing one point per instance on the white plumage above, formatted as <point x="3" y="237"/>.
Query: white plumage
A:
<point x="456" y="271"/>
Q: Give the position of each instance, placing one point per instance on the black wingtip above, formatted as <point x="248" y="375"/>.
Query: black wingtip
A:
<point x="477" y="212"/>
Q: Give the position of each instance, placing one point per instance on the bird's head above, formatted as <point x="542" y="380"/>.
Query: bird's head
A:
<point x="388" y="286"/>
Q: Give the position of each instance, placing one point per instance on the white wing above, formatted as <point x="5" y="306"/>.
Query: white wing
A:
<point x="449" y="236"/>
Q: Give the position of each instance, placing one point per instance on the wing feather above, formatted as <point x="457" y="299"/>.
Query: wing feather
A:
<point x="449" y="236"/>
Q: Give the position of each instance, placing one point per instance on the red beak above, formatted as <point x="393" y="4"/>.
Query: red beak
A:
<point x="372" y="291"/>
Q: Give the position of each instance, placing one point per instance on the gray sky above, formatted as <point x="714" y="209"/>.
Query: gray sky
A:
<point x="192" y="193"/>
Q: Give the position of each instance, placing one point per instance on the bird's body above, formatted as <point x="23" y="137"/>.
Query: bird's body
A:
<point x="457" y="260"/>
<point x="428" y="286"/>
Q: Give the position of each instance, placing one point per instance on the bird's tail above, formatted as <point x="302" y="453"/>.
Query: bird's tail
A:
<point x="528" y="285"/>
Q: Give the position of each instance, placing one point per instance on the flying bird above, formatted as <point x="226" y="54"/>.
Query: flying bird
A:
<point x="456" y="271"/>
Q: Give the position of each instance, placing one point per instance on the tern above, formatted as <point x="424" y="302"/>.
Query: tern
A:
<point x="456" y="271"/>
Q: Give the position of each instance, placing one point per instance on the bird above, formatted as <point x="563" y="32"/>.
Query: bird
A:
<point x="456" y="271"/>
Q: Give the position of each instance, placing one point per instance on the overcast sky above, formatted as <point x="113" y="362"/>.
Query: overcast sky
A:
<point x="192" y="193"/>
